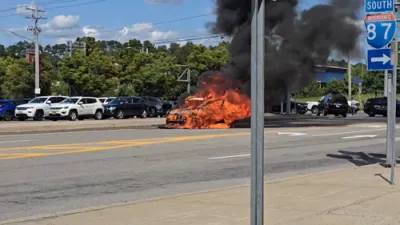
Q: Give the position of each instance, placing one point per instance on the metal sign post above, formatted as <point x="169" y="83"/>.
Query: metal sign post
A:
<point x="381" y="22"/>
<point x="393" y="102"/>
<point x="257" y="113"/>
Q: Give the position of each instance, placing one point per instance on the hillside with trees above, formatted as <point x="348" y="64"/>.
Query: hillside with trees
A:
<point x="111" y="68"/>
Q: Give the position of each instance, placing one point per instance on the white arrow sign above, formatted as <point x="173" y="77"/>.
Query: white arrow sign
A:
<point x="360" y="136"/>
<point x="384" y="59"/>
<point x="291" y="134"/>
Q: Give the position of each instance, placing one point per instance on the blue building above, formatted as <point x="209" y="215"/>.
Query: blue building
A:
<point x="325" y="74"/>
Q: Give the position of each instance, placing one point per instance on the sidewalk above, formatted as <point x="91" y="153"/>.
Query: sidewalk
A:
<point x="345" y="197"/>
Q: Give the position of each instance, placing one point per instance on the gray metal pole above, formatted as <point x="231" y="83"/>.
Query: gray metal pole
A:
<point x="385" y="84"/>
<point x="349" y="77"/>
<point x="288" y="111"/>
<point x="389" y="120"/>
<point x="189" y="80"/>
<point x="257" y="113"/>
<point x="393" y="108"/>
<point x="37" y="68"/>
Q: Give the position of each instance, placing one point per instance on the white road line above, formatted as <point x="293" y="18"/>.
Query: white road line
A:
<point x="347" y="132"/>
<point x="230" y="156"/>
<point x="15" y="141"/>
<point x="291" y="134"/>
<point x="360" y="136"/>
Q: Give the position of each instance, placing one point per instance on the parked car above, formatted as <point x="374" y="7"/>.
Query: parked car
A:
<point x="7" y="108"/>
<point x="295" y="107"/>
<point x="125" y="107"/>
<point x="154" y="105"/>
<point x="378" y="106"/>
<point x="37" y="108"/>
<point x="106" y="100"/>
<point x="354" y="106"/>
<point x="333" y="103"/>
<point x="77" y="108"/>
<point x="167" y="106"/>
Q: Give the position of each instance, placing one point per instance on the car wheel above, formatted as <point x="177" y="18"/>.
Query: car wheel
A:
<point x="344" y="115"/>
<point x="152" y="113"/>
<point x="293" y="111"/>
<point x="38" y="115"/>
<point x="336" y="114"/>
<point x="98" y="115"/>
<point x="314" y="110"/>
<point x="371" y="114"/>
<point x="7" y="116"/>
<point x="119" y="114"/>
<point x="143" y="114"/>
<point x="72" y="116"/>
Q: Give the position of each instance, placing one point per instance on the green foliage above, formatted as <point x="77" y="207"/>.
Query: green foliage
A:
<point x="107" y="68"/>
<point x="112" y="68"/>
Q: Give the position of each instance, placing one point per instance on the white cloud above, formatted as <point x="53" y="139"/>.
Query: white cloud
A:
<point x="22" y="9"/>
<point x="62" y="22"/>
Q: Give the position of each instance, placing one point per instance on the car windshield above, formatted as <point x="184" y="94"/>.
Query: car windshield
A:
<point x="70" y="101"/>
<point x="117" y="101"/>
<point x="38" y="100"/>
<point x="4" y="102"/>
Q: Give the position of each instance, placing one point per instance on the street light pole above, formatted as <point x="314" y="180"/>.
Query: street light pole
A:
<point x="257" y="112"/>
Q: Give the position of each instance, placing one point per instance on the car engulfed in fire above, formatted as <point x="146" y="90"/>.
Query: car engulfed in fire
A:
<point x="193" y="114"/>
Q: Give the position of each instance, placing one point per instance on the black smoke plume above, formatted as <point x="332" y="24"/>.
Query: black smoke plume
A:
<point x="295" y="42"/>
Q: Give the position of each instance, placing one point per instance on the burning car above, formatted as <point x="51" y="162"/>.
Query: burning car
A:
<point x="211" y="107"/>
<point x="194" y="111"/>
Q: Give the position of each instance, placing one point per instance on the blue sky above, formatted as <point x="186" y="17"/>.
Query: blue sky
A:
<point x="112" y="19"/>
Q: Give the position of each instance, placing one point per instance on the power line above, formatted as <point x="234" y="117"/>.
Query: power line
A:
<point x="193" y="38"/>
<point x="58" y="7"/>
<point x="144" y="25"/>
<point x="41" y="3"/>
<point x="18" y="35"/>
<point x="79" y="4"/>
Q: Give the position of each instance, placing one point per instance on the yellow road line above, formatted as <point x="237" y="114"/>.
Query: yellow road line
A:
<point x="78" y="148"/>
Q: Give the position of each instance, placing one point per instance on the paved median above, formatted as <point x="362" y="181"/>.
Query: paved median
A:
<point x="65" y="126"/>
<point x="350" y="196"/>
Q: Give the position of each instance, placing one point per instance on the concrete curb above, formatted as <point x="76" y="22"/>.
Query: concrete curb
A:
<point x="90" y="209"/>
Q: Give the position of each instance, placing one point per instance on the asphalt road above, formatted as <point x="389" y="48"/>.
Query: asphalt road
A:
<point x="49" y="173"/>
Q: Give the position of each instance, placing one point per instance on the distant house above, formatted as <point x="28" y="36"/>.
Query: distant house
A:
<point x="325" y="74"/>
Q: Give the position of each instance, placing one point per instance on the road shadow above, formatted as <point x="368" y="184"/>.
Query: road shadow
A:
<point x="287" y="121"/>
<point x="361" y="158"/>
<point x="279" y="121"/>
<point x="383" y="178"/>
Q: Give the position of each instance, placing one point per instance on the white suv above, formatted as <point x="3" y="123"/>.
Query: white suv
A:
<point x="77" y="108"/>
<point x="37" y="108"/>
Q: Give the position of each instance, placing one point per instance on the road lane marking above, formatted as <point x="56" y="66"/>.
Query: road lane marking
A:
<point x="14" y="141"/>
<point x="118" y="144"/>
<point x="230" y="156"/>
<point x="360" y="136"/>
<point x="291" y="134"/>
<point x="347" y="132"/>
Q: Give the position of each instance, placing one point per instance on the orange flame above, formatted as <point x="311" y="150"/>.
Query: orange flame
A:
<point x="212" y="107"/>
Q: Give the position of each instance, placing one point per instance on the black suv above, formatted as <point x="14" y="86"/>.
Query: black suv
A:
<point x="333" y="103"/>
<point x="154" y="105"/>
<point x="378" y="106"/>
<point x="125" y="107"/>
<point x="301" y="107"/>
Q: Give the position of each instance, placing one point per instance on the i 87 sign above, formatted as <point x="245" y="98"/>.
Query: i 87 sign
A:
<point x="381" y="29"/>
